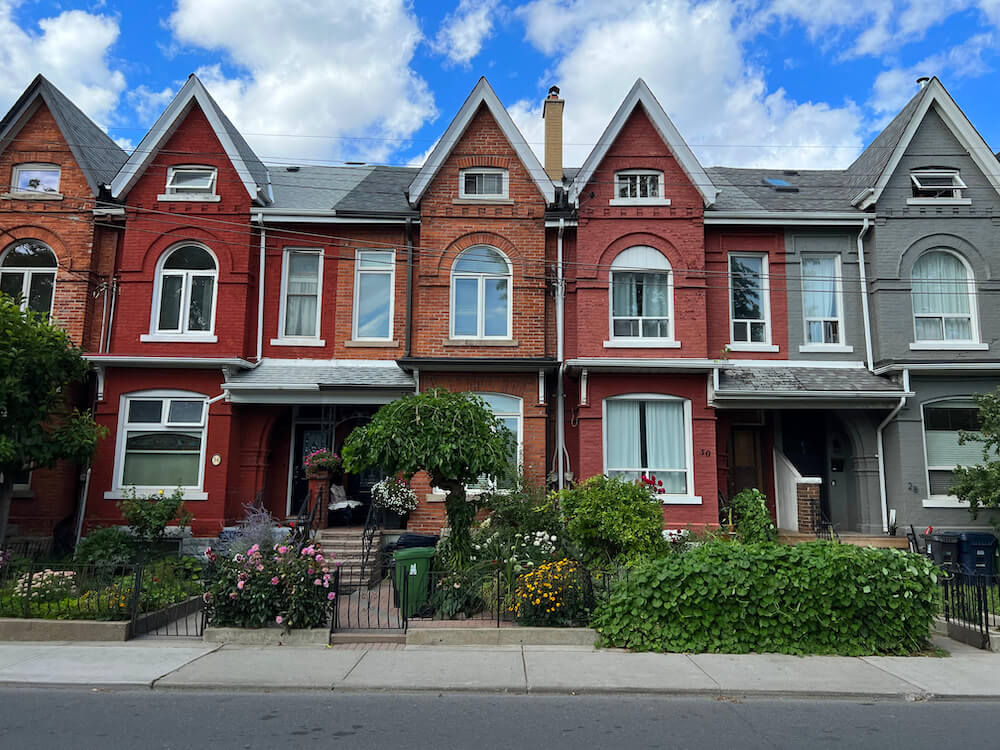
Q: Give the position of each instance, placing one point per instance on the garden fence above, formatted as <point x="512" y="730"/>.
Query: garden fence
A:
<point x="971" y="602"/>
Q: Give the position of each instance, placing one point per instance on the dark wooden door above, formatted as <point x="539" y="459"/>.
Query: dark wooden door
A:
<point x="746" y="469"/>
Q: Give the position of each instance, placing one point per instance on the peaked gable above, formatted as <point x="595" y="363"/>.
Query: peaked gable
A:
<point x="482" y="94"/>
<point x="98" y="157"/>
<point x="641" y="95"/>
<point x="253" y="174"/>
<point x="872" y="170"/>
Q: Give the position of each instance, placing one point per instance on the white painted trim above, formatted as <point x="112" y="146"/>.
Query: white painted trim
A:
<point x="482" y="93"/>
<point x="209" y="195"/>
<point x="297" y="341"/>
<point x="952" y="346"/>
<point x="481" y="197"/>
<point x="184" y="198"/>
<point x="681" y="500"/>
<point x="838" y="292"/>
<point x="765" y="295"/>
<point x="28" y="271"/>
<point x="641" y="343"/>
<point x="639" y="202"/>
<point x="662" y="200"/>
<point x="641" y="94"/>
<point x="186" y="284"/>
<point x="667" y="342"/>
<point x="785" y="218"/>
<point x="939" y="201"/>
<point x="116" y="360"/>
<point x="709" y="364"/>
<point x="740" y="346"/>
<point x="358" y="271"/>
<point x="480" y="335"/>
<point x="825" y="348"/>
<point x="186" y="494"/>
<point x="940" y="501"/>
<point x="283" y="301"/>
<point x="29" y="166"/>
<point x="944" y="501"/>
<point x="180" y="338"/>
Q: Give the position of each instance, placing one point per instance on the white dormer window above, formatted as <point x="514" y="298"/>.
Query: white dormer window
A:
<point x="937" y="186"/>
<point x="190" y="183"/>
<point x="639" y="187"/>
<point x="483" y="183"/>
<point x="36" y="178"/>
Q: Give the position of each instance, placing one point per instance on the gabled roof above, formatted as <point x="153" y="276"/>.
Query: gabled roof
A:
<point x="98" y="157"/>
<point x="251" y="169"/>
<point x="640" y="94"/>
<point x="482" y="94"/>
<point x="871" y="171"/>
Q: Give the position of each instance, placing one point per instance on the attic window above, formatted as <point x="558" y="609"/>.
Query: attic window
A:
<point x="932" y="186"/>
<point x="639" y="187"/>
<point x="483" y="183"/>
<point x="780" y="185"/>
<point x="36" y="178"/>
<point x="190" y="183"/>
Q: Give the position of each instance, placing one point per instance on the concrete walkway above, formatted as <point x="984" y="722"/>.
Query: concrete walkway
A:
<point x="178" y="665"/>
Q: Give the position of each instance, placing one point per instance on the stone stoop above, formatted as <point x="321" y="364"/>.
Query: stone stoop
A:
<point x="346" y="546"/>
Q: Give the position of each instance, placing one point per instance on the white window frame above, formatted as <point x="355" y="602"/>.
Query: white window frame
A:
<point x="192" y="492"/>
<point x="28" y="271"/>
<point x="182" y="334"/>
<point x="664" y="342"/>
<point x="940" y="501"/>
<point x="765" y="285"/>
<point x="822" y="346"/>
<point x="505" y="178"/>
<point x="519" y="414"/>
<point x="481" y="298"/>
<point x="974" y="343"/>
<point x="689" y="498"/>
<point x="358" y="273"/>
<point x="34" y="167"/>
<point x="624" y="174"/>
<point x="282" y="339"/>
<point x="955" y="199"/>
<point x="170" y="191"/>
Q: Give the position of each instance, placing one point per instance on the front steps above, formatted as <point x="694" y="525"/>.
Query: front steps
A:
<point x="346" y="547"/>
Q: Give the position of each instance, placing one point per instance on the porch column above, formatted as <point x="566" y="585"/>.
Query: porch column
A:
<point x="319" y="492"/>
<point x="807" y="504"/>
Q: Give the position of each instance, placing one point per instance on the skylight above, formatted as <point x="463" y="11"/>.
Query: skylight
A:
<point x="780" y="185"/>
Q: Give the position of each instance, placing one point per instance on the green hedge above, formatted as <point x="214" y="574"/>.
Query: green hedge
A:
<point x="815" y="598"/>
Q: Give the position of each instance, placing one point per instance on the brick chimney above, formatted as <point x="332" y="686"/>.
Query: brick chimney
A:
<point x="552" y="113"/>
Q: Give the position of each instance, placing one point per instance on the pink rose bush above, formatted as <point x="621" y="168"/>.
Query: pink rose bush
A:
<point x="287" y="586"/>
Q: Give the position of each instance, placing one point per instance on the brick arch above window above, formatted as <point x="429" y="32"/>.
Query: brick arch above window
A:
<point x="33" y="232"/>
<point x="952" y="243"/>
<point x="153" y="253"/>
<point x="445" y="260"/>
<point x="623" y="243"/>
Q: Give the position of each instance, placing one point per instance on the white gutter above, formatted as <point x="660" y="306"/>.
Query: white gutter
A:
<point x="881" y="454"/>
<point x="112" y="360"/>
<point x="865" y="314"/>
<point x="786" y="218"/>
<point x="260" y="290"/>
<point x="560" y="396"/>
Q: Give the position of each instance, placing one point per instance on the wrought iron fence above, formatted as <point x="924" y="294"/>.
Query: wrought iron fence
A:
<point x="368" y="598"/>
<point x="971" y="605"/>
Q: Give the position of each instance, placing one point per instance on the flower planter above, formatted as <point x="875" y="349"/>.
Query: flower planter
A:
<point x="391" y="520"/>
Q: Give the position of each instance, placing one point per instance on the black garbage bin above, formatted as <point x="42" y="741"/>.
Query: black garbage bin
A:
<point x="942" y="547"/>
<point x="977" y="552"/>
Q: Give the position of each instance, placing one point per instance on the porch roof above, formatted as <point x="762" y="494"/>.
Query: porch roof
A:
<point x="805" y="382"/>
<point x="320" y="374"/>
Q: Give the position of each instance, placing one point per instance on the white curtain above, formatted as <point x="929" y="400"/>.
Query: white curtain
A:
<point x="625" y="294"/>
<point x="940" y="285"/>
<point x="622" y="433"/>
<point x="654" y="295"/>
<point x="665" y="444"/>
<point x="819" y="287"/>
<point x="302" y="294"/>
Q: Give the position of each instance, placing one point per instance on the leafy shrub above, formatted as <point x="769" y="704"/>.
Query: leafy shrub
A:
<point x="556" y="593"/>
<point x="147" y="517"/>
<point x="170" y="581"/>
<point x="285" y="586"/>
<point x="462" y="593"/>
<point x="613" y="520"/>
<point x="814" y="598"/>
<point x="109" y="547"/>
<point x="751" y="517"/>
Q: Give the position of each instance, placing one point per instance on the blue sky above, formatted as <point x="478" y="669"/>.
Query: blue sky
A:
<point x="797" y="83"/>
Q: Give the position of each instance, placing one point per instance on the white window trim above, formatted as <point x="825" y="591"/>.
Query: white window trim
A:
<point x="481" y="300"/>
<point x="662" y="200"/>
<point x="155" y="334"/>
<point x="838" y="291"/>
<point x="282" y="339"/>
<point x="689" y="498"/>
<point x="958" y="185"/>
<point x="28" y="271"/>
<point x="640" y="342"/>
<point x="520" y="437"/>
<point x="209" y="196"/>
<point x="358" y="271"/>
<point x="483" y="170"/>
<point x="193" y="492"/>
<point x="35" y="167"/>
<point x="939" y="501"/>
<point x="971" y="344"/>
<point x="765" y="286"/>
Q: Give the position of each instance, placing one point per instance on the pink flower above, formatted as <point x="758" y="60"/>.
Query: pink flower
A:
<point x="240" y="585"/>
<point x="232" y="595"/>
<point x="317" y="582"/>
<point x="310" y="571"/>
<point x="274" y="581"/>
<point x="279" y="619"/>
<point x="282" y="550"/>
<point x="319" y="558"/>
<point x="253" y="549"/>
<point x="331" y="596"/>
<point x="207" y="596"/>
<point x="260" y="568"/>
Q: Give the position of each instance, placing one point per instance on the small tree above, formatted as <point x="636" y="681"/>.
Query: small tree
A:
<point x="452" y="436"/>
<point x="38" y="362"/>
<point x="980" y="485"/>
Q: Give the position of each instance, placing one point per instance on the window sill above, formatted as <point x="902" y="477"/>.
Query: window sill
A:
<point x="165" y="338"/>
<point x="32" y="196"/>
<point x="361" y="343"/>
<point x="482" y="201"/>
<point x="939" y="201"/>
<point x="435" y="497"/>
<point x="825" y="348"/>
<point x="480" y="342"/>
<point x="639" y="202"/>
<point x="741" y="346"/>
<point x="167" y="198"/>
<point x="188" y="494"/>
<point x="638" y="343"/>
<point x="944" y="501"/>
<point x="297" y="342"/>
<point x="949" y="346"/>
<point x="681" y="500"/>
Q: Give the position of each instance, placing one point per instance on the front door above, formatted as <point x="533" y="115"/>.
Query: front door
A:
<point x="840" y="480"/>
<point x="746" y="467"/>
<point x="305" y="439"/>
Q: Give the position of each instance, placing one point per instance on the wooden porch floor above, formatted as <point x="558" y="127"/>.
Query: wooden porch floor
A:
<point x="848" y="537"/>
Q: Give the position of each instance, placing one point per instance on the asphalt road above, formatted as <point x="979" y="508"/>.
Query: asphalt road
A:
<point x="98" y="719"/>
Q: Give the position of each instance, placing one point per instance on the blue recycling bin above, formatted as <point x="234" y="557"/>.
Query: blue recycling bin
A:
<point x="977" y="553"/>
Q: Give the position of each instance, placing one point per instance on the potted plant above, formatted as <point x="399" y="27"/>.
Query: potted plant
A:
<point x="395" y="500"/>
<point x="321" y="462"/>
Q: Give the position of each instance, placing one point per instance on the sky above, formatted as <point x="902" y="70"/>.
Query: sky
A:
<point x="758" y="83"/>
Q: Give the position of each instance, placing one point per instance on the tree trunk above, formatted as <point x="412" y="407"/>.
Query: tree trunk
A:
<point x="6" y="495"/>
<point x="460" y="513"/>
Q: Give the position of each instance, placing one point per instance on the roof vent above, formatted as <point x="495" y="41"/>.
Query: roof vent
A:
<point x="355" y="163"/>
<point x="923" y="81"/>
<point x="790" y="172"/>
<point x="292" y="169"/>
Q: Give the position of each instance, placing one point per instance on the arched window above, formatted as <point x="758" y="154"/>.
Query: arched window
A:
<point x="186" y="292"/>
<point x="641" y="296"/>
<point x="28" y="271"/>
<point x="480" y="294"/>
<point x="508" y="409"/>
<point x="943" y="292"/>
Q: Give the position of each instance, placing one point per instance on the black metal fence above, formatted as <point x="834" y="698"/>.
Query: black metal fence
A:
<point x="971" y="603"/>
<point x="368" y="599"/>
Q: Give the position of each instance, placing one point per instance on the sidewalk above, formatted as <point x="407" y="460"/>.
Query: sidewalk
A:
<point x="192" y="665"/>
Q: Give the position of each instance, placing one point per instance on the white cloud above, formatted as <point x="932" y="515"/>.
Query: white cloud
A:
<point x="463" y="31"/>
<point x="70" y="49"/>
<point x="305" y="67"/>
<point x="693" y="57"/>
<point x="148" y="104"/>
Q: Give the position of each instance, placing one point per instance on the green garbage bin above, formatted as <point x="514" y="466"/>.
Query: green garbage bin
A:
<point x="413" y="577"/>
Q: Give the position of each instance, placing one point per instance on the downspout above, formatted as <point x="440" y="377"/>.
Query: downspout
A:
<point x="560" y="406"/>
<point x="881" y="457"/>
<point x="409" y="285"/>
<point x="113" y="291"/>
<point x="260" y="289"/>
<point x="866" y="316"/>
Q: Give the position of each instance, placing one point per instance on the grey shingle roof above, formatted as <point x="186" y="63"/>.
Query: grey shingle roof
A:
<point x="98" y="157"/>
<point x="350" y="189"/>
<point x="324" y="373"/>
<point x="250" y="160"/>
<point x="771" y="380"/>
<point x="745" y="190"/>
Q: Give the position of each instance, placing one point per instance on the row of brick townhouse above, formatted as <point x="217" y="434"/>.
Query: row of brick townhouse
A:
<point x="817" y="334"/>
